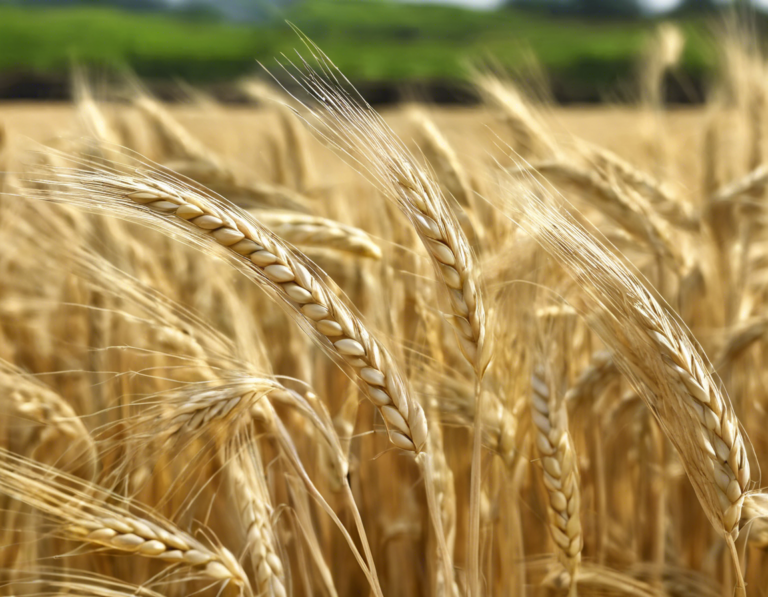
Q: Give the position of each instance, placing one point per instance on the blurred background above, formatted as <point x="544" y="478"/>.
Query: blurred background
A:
<point x="392" y="50"/>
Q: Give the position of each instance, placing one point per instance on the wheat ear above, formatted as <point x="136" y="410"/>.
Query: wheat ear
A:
<point x="357" y="130"/>
<point x="86" y="518"/>
<point x="662" y="53"/>
<point x="297" y="147"/>
<point x="288" y="274"/>
<point x="739" y="339"/>
<point x="600" y="371"/>
<point x="322" y="233"/>
<point x="754" y="519"/>
<point x="442" y="157"/>
<point x="90" y="115"/>
<point x="177" y="141"/>
<point x="628" y="210"/>
<point x="185" y="412"/>
<point x="247" y="480"/>
<point x="663" y="201"/>
<point x="749" y="184"/>
<point x="560" y="474"/>
<point x="530" y="135"/>
<point x="61" y="427"/>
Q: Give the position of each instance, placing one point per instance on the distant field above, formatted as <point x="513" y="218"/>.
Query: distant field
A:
<point x="246" y="131"/>
<point x="369" y="41"/>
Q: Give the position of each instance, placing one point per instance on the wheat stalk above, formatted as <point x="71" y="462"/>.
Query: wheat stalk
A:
<point x="84" y="584"/>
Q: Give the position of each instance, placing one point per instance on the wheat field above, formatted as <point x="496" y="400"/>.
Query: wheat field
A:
<point x="299" y="347"/>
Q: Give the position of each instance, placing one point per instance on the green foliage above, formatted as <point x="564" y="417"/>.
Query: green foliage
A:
<point x="368" y="40"/>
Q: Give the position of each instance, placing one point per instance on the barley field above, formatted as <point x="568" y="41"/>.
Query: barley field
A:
<point x="300" y="347"/>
